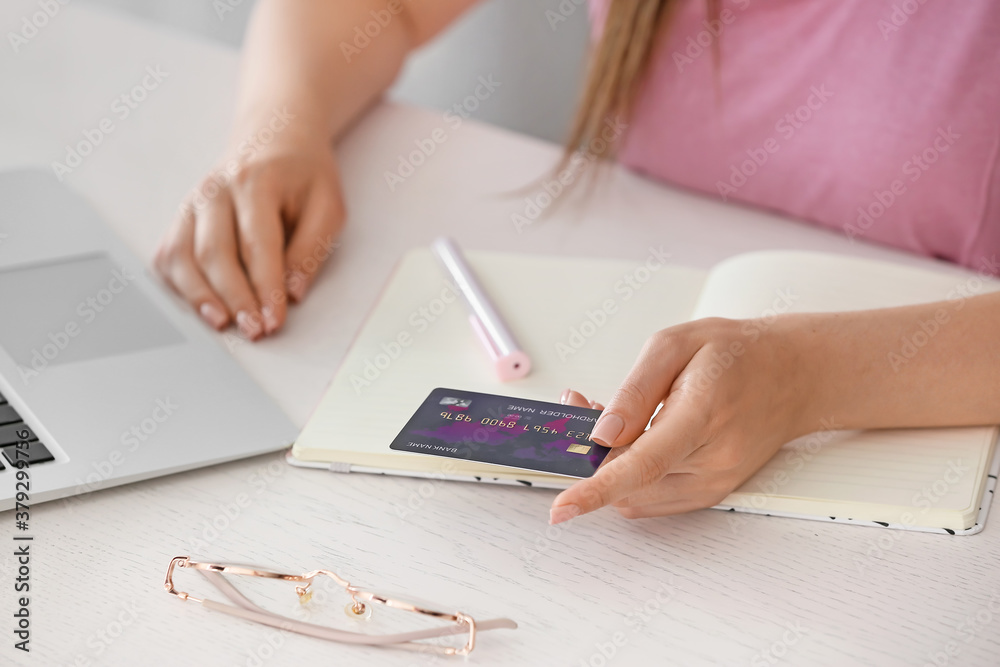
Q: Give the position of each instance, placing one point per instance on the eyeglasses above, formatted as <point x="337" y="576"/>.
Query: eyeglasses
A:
<point x="360" y="607"/>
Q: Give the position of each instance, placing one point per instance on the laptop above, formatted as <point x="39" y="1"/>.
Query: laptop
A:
<point x="105" y="377"/>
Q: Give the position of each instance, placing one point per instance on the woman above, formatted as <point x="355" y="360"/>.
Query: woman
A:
<point x="879" y="118"/>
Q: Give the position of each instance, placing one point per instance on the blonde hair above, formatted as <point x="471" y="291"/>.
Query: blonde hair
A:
<point x="618" y="66"/>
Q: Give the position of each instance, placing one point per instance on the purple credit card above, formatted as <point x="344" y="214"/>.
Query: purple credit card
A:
<point x="512" y="432"/>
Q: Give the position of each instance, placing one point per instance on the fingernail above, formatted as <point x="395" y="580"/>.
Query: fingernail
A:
<point x="564" y="397"/>
<point x="211" y="314"/>
<point x="563" y="513"/>
<point x="607" y="429"/>
<point x="249" y="325"/>
<point x="295" y="284"/>
<point x="270" y="319"/>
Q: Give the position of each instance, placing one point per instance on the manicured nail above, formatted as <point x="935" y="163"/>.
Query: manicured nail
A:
<point x="563" y="513"/>
<point x="564" y="397"/>
<point x="295" y="285"/>
<point x="211" y="314"/>
<point x="607" y="429"/>
<point x="270" y="319"/>
<point x="249" y="325"/>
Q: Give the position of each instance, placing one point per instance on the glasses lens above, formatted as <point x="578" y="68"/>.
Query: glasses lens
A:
<point x="405" y="602"/>
<point x="401" y="612"/>
<point x="326" y="603"/>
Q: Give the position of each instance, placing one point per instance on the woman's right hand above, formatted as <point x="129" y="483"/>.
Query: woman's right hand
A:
<point x="252" y="236"/>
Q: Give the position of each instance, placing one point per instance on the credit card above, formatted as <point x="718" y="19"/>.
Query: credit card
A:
<point x="500" y="430"/>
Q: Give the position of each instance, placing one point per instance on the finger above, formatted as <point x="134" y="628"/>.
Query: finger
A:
<point x="662" y="358"/>
<point x="314" y="237"/>
<point x="650" y="458"/>
<point x="261" y="241"/>
<point x="661" y="509"/>
<point x="218" y="255"/>
<point x="575" y="399"/>
<point x="672" y="488"/>
<point x="615" y="453"/>
<point x="176" y="263"/>
<point x="570" y="397"/>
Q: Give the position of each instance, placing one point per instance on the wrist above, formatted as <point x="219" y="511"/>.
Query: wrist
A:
<point x="278" y="123"/>
<point x="806" y="344"/>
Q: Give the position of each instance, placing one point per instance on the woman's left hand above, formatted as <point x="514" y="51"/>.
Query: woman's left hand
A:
<point x="732" y="396"/>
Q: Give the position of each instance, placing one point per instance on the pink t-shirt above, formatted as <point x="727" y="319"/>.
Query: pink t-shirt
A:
<point x="877" y="118"/>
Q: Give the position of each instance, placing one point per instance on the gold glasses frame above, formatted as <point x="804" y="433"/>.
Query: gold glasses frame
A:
<point x="359" y="607"/>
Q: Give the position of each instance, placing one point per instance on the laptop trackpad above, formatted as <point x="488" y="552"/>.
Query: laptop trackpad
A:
<point x="75" y="310"/>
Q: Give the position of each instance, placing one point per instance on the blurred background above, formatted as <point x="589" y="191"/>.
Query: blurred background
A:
<point x="536" y="48"/>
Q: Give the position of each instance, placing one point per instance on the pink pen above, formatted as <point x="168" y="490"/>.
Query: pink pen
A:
<point x="509" y="361"/>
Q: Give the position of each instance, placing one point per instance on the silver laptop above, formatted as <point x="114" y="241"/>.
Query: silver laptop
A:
<point x="106" y="378"/>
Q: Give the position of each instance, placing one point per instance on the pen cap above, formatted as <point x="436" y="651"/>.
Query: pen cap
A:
<point x="486" y="321"/>
<point x="511" y="366"/>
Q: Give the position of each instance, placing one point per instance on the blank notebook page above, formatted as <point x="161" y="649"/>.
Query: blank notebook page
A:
<point x="936" y="475"/>
<point x="579" y="320"/>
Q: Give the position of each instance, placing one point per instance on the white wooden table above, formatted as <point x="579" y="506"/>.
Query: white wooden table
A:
<point x="687" y="590"/>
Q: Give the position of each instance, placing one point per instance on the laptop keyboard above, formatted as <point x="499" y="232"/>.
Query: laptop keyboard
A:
<point x="10" y="425"/>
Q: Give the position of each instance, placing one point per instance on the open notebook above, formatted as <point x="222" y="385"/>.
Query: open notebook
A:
<point x="583" y="321"/>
